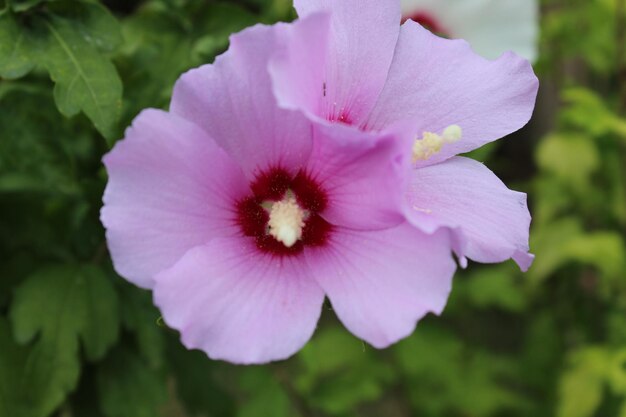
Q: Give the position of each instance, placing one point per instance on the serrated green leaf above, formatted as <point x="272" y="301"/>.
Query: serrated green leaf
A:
<point x="65" y="303"/>
<point x="129" y="387"/>
<point x="85" y="80"/>
<point x="93" y="21"/>
<point x="16" y="49"/>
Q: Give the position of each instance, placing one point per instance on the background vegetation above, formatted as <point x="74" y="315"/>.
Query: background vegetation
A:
<point x="76" y="340"/>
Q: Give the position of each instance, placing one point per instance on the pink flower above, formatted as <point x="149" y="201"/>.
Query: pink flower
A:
<point x="370" y="74"/>
<point x="490" y="26"/>
<point x="242" y="216"/>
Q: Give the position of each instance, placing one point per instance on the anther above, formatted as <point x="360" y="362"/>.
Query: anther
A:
<point x="286" y="221"/>
<point x="431" y="143"/>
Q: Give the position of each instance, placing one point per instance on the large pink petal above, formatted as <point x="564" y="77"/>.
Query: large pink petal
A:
<point x="463" y="194"/>
<point x="436" y="82"/>
<point x="353" y="64"/>
<point x="381" y="283"/>
<point x="363" y="175"/>
<point x="170" y="188"/>
<point x="239" y="305"/>
<point x="233" y="101"/>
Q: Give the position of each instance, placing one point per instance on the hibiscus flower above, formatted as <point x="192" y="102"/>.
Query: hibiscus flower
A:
<point x="490" y="26"/>
<point x="242" y="217"/>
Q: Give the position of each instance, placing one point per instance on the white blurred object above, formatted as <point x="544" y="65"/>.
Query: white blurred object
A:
<point x="490" y="26"/>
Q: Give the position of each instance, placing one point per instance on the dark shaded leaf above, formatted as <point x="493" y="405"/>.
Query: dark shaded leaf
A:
<point x="127" y="386"/>
<point x="16" y="48"/>
<point x="65" y="303"/>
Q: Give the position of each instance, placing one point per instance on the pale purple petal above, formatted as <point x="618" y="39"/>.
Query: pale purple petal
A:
<point x="360" y="49"/>
<point x="363" y="175"/>
<point x="298" y="70"/>
<point x="238" y="305"/>
<point x="465" y="195"/>
<point x="436" y="83"/>
<point x="233" y="101"/>
<point x="170" y="188"/>
<point x="382" y="283"/>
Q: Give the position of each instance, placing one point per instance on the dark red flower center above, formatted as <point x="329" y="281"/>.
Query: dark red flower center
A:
<point x="276" y="185"/>
<point x="429" y="22"/>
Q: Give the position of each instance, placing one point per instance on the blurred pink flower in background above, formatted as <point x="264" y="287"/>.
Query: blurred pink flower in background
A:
<point x="492" y="27"/>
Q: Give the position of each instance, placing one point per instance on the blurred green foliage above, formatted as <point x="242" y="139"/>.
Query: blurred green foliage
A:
<point x="76" y="340"/>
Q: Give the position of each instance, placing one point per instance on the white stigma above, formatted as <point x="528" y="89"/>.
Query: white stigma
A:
<point x="286" y="221"/>
<point x="431" y="143"/>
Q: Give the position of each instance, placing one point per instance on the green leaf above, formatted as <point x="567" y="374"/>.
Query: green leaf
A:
<point x="588" y="112"/>
<point x="23" y="5"/>
<point x="127" y="386"/>
<point x="572" y="158"/>
<point x="604" y="250"/>
<point x="617" y="372"/>
<point x="12" y="361"/>
<point x="447" y="377"/>
<point x="565" y="241"/>
<point x="340" y="372"/>
<point x="217" y="21"/>
<point x="494" y="286"/>
<point x="16" y="49"/>
<point x="139" y="316"/>
<point x="66" y="40"/>
<point x="39" y="152"/>
<point x="85" y="80"/>
<point x="265" y="397"/>
<point x="157" y="50"/>
<point x="596" y="19"/>
<point x="94" y="22"/>
<point x="34" y="380"/>
<point x="65" y="303"/>
<point x="12" y="271"/>
<point x="197" y="382"/>
<point x="581" y="386"/>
